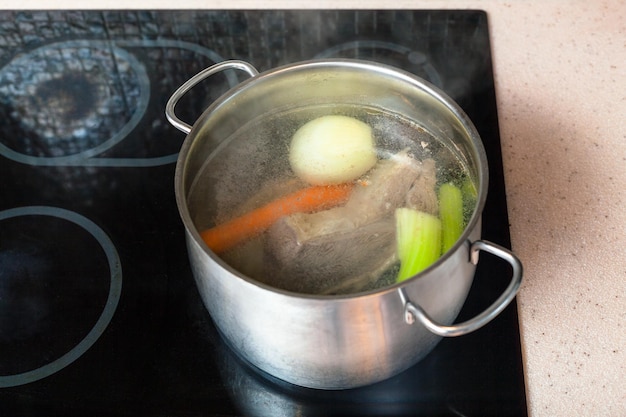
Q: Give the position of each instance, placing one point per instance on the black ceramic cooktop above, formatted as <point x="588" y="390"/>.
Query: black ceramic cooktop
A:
<point x="99" y="315"/>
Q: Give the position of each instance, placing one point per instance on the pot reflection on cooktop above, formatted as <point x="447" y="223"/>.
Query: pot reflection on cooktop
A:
<point x="60" y="283"/>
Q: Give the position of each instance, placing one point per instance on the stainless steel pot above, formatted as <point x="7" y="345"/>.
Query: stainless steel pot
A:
<point x="335" y="342"/>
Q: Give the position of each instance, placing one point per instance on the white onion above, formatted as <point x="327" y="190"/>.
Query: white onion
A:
<point x="332" y="150"/>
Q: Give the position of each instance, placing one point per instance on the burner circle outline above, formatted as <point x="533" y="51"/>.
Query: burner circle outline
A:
<point x="143" y="99"/>
<point x="106" y="316"/>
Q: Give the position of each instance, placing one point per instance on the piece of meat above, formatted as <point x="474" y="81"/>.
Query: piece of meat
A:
<point x="340" y="247"/>
<point x="329" y="262"/>
<point x="422" y="195"/>
<point x="386" y="187"/>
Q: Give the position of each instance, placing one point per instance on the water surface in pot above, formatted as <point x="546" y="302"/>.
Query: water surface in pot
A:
<point x="251" y="168"/>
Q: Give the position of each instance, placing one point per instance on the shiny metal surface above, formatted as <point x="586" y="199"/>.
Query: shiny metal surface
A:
<point x="332" y="342"/>
<point x="170" y="108"/>
<point x="414" y="312"/>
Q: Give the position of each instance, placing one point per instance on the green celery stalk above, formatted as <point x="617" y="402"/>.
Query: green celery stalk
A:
<point x="469" y="189"/>
<point x="451" y="214"/>
<point x="418" y="238"/>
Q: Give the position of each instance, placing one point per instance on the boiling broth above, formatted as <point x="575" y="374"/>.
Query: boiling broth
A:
<point x="252" y="168"/>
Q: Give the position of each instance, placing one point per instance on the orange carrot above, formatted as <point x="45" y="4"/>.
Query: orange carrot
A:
<point x="227" y="235"/>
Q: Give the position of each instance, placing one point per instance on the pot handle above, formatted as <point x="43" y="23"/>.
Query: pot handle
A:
<point x="190" y="83"/>
<point x="413" y="311"/>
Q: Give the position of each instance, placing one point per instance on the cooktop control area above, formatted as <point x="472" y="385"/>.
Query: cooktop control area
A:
<point x="99" y="313"/>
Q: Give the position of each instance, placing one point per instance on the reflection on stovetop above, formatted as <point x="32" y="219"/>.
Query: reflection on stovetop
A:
<point x="87" y="162"/>
<point x="89" y="95"/>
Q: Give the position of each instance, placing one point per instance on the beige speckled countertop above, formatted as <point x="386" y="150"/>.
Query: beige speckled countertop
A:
<point x="560" y="71"/>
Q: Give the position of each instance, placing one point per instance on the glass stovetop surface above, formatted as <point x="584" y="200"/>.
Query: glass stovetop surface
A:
<point x="99" y="314"/>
